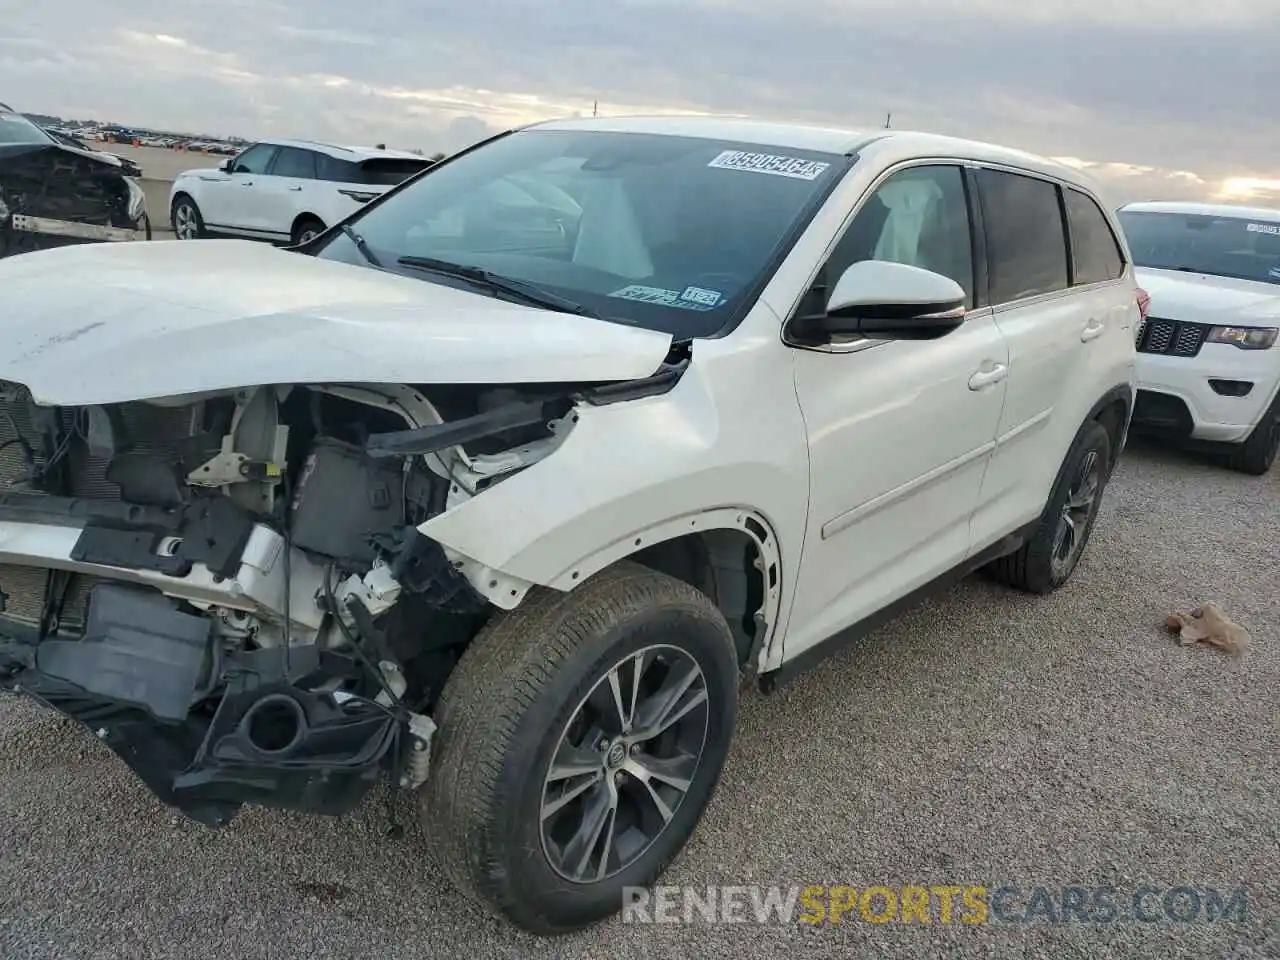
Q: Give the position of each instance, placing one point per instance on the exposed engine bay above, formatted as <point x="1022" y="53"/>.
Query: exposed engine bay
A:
<point x="231" y="589"/>
<point x="53" y="194"/>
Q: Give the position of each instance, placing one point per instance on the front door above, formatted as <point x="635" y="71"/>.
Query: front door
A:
<point x="900" y="432"/>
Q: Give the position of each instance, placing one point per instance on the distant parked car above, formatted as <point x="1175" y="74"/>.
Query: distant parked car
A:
<point x="286" y="191"/>
<point x="1208" y="361"/>
<point x="56" y="191"/>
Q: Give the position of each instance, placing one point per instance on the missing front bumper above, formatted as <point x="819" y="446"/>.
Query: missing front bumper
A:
<point x="208" y="731"/>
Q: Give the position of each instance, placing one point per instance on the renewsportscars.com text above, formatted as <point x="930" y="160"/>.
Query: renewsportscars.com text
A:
<point x="968" y="904"/>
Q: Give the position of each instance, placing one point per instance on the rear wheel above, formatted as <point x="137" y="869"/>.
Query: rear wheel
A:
<point x="1047" y="560"/>
<point x="581" y="737"/>
<point x="1256" y="455"/>
<point x="186" y="219"/>
<point x="307" y="229"/>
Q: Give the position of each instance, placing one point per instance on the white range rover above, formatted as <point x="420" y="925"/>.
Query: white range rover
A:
<point x="1208" y="361"/>
<point x="506" y="485"/>
<point x="285" y="191"/>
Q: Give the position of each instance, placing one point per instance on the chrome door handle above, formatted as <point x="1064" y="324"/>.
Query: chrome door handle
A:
<point x="296" y="188"/>
<point x="1092" y="331"/>
<point x="985" y="378"/>
<point x="247" y="183"/>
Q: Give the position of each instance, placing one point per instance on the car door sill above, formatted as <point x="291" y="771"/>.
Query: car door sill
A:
<point x="819" y="652"/>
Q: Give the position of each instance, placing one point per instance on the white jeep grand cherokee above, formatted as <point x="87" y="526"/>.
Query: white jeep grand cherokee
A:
<point x="1208" y="361"/>
<point x="509" y="483"/>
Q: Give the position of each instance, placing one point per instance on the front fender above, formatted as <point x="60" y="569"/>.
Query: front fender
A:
<point x="633" y="473"/>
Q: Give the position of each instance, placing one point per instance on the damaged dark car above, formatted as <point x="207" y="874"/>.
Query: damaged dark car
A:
<point x="54" y="192"/>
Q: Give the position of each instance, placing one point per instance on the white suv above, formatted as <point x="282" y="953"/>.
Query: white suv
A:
<point x="1208" y="360"/>
<point x="287" y="191"/>
<point x="509" y="483"/>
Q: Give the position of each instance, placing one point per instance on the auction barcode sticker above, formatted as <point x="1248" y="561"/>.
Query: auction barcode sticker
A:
<point x="1273" y="229"/>
<point x="772" y="164"/>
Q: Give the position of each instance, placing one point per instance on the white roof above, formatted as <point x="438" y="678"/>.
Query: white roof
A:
<point x="343" y="152"/>
<point x="1265" y="214"/>
<point x="825" y="139"/>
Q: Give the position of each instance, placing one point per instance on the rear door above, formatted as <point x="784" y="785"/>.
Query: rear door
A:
<point x="284" y="194"/>
<point x="1061" y="315"/>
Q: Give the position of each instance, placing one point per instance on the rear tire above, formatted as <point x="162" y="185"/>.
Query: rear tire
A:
<point x="308" y="228"/>
<point x="1047" y="560"/>
<point x="513" y="830"/>
<point x="1256" y="455"/>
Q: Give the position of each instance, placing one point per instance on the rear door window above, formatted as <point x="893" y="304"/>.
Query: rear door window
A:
<point x="1094" y="247"/>
<point x="1026" y="236"/>
<point x="292" y="162"/>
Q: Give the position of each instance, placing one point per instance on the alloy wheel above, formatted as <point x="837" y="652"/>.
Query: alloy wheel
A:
<point x="184" y="222"/>
<point x="1073" y="522"/>
<point x="624" y="763"/>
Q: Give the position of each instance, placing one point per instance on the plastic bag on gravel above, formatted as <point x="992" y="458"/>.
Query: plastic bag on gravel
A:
<point x="1208" y="624"/>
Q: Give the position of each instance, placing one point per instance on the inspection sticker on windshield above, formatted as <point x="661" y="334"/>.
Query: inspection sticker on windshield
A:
<point x="664" y="297"/>
<point x="707" y="298"/>
<point x="1269" y="228"/>
<point x="793" y="167"/>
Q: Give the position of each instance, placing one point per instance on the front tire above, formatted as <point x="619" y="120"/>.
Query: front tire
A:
<point x="1257" y="454"/>
<point x="186" y="220"/>
<point x="581" y="737"/>
<point x="1047" y="560"/>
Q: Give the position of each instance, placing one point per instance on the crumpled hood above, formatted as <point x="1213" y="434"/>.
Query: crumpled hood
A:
<point x="1200" y="298"/>
<point x="106" y="323"/>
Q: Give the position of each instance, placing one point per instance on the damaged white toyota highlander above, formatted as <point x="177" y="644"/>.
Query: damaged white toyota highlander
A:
<point x="504" y="487"/>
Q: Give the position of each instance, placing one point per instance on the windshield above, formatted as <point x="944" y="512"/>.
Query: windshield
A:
<point x="15" y="128"/>
<point x="1234" y="246"/>
<point x="670" y="233"/>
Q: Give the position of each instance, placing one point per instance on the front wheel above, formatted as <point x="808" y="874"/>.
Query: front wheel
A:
<point x="1047" y="560"/>
<point x="581" y="737"/>
<point x="1257" y="454"/>
<point x="187" y="222"/>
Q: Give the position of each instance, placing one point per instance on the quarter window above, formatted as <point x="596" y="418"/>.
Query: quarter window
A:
<point x="291" y="162"/>
<point x="1093" y="244"/>
<point x="1026" y="236"/>
<point x="919" y="217"/>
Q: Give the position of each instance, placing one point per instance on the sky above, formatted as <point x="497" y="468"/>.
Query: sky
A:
<point x="1157" y="98"/>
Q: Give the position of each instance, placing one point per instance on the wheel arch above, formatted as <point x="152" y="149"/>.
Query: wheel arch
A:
<point x="302" y="218"/>
<point x="1113" y="411"/>
<point x="182" y="194"/>
<point x="731" y="554"/>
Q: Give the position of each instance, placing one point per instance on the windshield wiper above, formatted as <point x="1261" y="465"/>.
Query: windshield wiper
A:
<point x="360" y="245"/>
<point x="522" y="290"/>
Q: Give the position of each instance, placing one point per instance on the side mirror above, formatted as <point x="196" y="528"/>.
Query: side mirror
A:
<point x="226" y="165"/>
<point x="892" y="301"/>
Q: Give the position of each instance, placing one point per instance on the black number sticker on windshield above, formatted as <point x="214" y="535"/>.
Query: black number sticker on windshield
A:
<point x="793" y="167"/>
<point x="1272" y="229"/>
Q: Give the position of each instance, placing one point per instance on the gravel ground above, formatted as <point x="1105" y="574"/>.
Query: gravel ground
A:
<point x="986" y="738"/>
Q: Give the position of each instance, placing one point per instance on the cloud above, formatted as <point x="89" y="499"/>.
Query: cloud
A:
<point x="1158" y="97"/>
